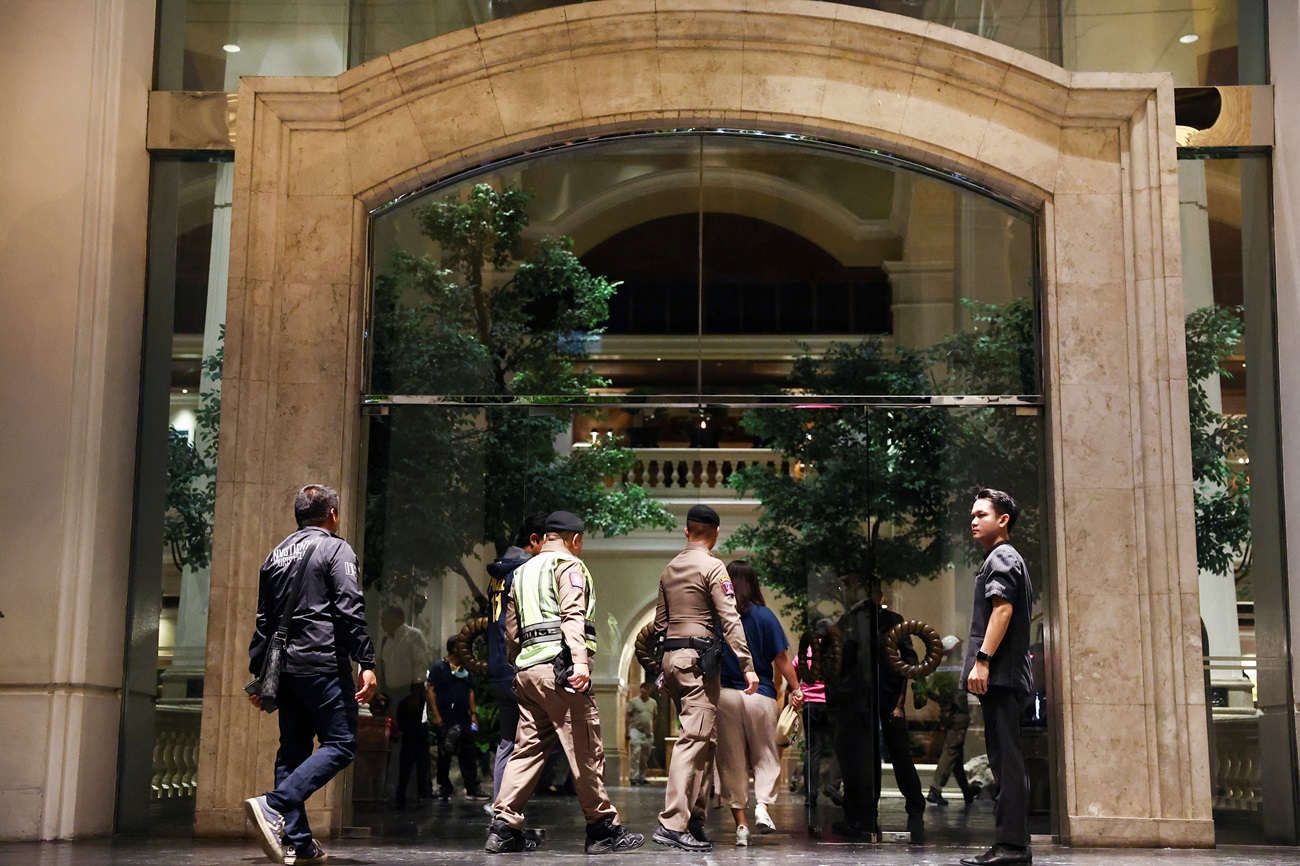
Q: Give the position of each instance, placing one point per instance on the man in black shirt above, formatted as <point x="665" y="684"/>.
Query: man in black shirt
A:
<point x="317" y="698"/>
<point x="450" y="691"/>
<point x="996" y="669"/>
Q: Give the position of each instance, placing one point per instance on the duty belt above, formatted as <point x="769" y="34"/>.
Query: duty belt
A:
<point x="699" y="644"/>
<point x="549" y="630"/>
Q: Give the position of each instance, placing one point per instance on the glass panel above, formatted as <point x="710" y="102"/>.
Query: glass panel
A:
<point x="644" y="189"/>
<point x="1228" y="284"/>
<point x="807" y="246"/>
<point x="208" y="44"/>
<point x="181" y="395"/>
<point x="802" y="244"/>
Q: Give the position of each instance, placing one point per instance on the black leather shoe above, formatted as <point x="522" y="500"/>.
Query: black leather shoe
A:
<point x="684" y="840"/>
<point x="848" y="829"/>
<point x="696" y="828"/>
<point x="936" y="797"/>
<point x="1000" y="855"/>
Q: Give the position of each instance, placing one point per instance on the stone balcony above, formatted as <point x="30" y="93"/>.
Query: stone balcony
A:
<point x="690" y="472"/>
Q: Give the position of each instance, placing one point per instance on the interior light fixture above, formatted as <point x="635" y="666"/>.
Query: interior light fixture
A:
<point x="1188" y="39"/>
<point x="230" y="48"/>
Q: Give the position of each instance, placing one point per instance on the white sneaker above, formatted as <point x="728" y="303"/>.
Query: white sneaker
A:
<point x="742" y="836"/>
<point x="489" y="808"/>
<point x="763" y="820"/>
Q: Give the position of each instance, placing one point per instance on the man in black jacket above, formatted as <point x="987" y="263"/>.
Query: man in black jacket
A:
<point x="501" y="673"/>
<point x="317" y="698"/>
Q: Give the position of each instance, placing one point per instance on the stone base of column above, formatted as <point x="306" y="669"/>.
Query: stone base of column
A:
<point x="232" y="823"/>
<point x="1085" y="831"/>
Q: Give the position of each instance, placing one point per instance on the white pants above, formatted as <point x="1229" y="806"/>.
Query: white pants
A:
<point x="747" y="740"/>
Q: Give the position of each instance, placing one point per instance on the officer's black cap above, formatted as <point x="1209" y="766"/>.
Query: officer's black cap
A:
<point x="564" y="521"/>
<point x="703" y="514"/>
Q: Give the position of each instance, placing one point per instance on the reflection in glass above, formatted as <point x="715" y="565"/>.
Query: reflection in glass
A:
<point x="1228" y="284"/>
<point x="801" y="245"/>
<point x="208" y="44"/>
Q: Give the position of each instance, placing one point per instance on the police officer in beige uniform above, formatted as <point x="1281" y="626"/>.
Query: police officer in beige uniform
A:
<point x="550" y="634"/>
<point x="694" y="595"/>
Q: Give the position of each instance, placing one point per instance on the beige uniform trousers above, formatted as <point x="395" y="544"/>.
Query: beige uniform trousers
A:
<point x="747" y="739"/>
<point x="691" y="770"/>
<point x="548" y="714"/>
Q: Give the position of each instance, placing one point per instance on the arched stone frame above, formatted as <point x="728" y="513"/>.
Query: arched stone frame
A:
<point x="1092" y="153"/>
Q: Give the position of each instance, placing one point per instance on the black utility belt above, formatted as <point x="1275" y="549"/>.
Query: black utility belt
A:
<point x="699" y="644"/>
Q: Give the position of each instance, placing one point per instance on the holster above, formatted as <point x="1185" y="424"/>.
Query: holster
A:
<point x="709" y="648"/>
<point x="563" y="665"/>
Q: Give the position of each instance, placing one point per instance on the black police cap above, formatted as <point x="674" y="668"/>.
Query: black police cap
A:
<point x="703" y="514"/>
<point x="564" y="521"/>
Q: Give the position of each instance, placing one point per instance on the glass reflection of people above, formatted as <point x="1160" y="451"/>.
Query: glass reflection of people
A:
<point x="893" y="720"/>
<point x="954" y="719"/>
<point x="850" y="694"/>
<point x="997" y="670"/>
<point x="450" y="693"/>
<point x="640" y="719"/>
<point x="404" y="657"/>
<point x="816" y="654"/>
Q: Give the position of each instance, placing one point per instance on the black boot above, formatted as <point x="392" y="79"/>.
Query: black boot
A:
<point x="696" y="828"/>
<point x="503" y="838"/>
<point x="606" y="837"/>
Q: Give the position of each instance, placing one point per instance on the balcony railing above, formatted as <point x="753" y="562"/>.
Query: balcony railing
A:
<point x="690" y="472"/>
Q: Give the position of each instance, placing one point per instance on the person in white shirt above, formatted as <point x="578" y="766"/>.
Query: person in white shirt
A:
<point x="403" y="660"/>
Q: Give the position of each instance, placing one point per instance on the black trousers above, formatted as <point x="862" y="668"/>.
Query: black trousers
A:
<point x="414" y="749"/>
<point x="1003" y="708"/>
<point x="456" y="739"/>
<point x="899" y="747"/>
<point x="817" y="734"/>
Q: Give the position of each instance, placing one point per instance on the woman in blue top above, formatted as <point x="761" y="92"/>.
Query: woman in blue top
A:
<point x="747" y="723"/>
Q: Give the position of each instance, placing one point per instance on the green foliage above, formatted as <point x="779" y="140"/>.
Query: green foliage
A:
<point x="887" y="491"/>
<point x="191" y="496"/>
<point x="1221" y="485"/>
<point x="505" y="331"/>
<point x="873" y="498"/>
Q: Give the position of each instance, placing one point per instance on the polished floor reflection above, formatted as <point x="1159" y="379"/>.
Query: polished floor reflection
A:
<point x="454" y="832"/>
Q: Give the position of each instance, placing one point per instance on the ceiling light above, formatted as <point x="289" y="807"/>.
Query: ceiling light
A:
<point x="232" y="48"/>
<point x="1188" y="39"/>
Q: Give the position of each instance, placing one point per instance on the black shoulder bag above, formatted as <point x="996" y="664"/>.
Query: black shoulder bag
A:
<point x="267" y="684"/>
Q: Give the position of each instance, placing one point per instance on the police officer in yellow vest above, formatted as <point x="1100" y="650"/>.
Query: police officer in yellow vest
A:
<point x="550" y="632"/>
<point x="695" y="594"/>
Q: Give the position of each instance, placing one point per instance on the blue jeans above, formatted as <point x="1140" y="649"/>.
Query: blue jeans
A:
<point x="312" y="706"/>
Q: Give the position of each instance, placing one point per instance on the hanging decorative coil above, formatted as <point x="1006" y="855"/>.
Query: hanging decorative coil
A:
<point x="934" y="651"/>
<point x="473" y="630"/>
<point x="645" y="640"/>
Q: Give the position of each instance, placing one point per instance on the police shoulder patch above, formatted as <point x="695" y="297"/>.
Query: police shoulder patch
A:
<point x="727" y="587"/>
<point x="576" y="578"/>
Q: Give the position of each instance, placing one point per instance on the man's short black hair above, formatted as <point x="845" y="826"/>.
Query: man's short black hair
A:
<point x="451" y="644"/>
<point x="1003" y="503"/>
<point x="534" y="524"/>
<point x="313" y="504"/>
<point x="394" y="610"/>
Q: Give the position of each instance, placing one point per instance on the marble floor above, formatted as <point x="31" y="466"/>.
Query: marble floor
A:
<point x="453" y="833"/>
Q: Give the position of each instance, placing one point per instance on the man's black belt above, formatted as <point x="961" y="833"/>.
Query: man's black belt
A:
<point x="545" y="631"/>
<point x="700" y="644"/>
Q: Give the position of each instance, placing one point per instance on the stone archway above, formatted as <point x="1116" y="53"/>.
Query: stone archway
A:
<point x="1093" y="153"/>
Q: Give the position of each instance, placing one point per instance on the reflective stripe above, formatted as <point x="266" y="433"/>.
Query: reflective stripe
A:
<point x="546" y="630"/>
<point x="537" y="605"/>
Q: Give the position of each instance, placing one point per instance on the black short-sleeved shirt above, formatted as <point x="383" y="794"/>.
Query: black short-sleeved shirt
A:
<point x="451" y="692"/>
<point x="1003" y="574"/>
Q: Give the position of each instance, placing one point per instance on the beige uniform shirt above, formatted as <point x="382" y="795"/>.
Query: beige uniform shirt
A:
<point x="571" y="586"/>
<point x="693" y="589"/>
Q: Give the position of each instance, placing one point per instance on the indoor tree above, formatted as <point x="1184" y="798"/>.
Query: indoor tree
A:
<point x="500" y="334"/>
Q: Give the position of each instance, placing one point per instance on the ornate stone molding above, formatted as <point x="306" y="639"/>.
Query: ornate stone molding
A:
<point x="1093" y="154"/>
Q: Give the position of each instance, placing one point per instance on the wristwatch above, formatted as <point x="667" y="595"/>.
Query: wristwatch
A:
<point x="982" y="656"/>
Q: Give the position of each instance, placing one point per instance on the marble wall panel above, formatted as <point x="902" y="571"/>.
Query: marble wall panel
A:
<point x="698" y="79"/>
<point x="261" y="253"/>
<point x="383" y="146"/>
<point x="1090" y="161"/>
<point x="1100" y="544"/>
<point x="1022" y="143"/>
<point x="782" y="82"/>
<point x="317" y="237"/>
<point x="1105" y="635"/>
<point x="1091" y="332"/>
<point x="616" y="82"/>
<point x="938" y="112"/>
<point x="312" y="323"/>
<point x="1090" y="242"/>
<point x="865" y="95"/>
<point x="1109" y="780"/>
<point x="1095" y="419"/>
<point x="318" y="163"/>
<point x="536" y="97"/>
